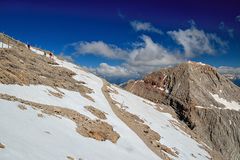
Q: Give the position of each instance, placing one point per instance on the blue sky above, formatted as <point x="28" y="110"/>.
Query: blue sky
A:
<point x="120" y="40"/>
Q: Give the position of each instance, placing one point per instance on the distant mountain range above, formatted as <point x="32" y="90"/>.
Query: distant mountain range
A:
<point x="231" y="73"/>
<point x="235" y="78"/>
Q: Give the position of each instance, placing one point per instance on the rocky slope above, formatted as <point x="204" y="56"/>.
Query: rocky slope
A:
<point x="206" y="101"/>
<point x="54" y="109"/>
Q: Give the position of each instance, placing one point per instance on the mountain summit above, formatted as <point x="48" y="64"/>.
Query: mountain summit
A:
<point x="206" y="101"/>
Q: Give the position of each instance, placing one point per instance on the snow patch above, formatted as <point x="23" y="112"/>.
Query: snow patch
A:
<point x="200" y="107"/>
<point x="3" y="45"/>
<point x="203" y="64"/>
<point x="167" y="91"/>
<point x="200" y="63"/>
<point x="165" y="76"/>
<point x="37" y="51"/>
<point x="29" y="137"/>
<point x="162" y="89"/>
<point x="229" y="105"/>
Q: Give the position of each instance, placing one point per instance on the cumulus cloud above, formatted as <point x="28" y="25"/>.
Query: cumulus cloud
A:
<point x="145" y="56"/>
<point x="196" y="42"/>
<point x="101" y="49"/>
<point x="152" y="54"/>
<point x="113" y="71"/>
<point x="144" y="26"/>
<point x="114" y="74"/>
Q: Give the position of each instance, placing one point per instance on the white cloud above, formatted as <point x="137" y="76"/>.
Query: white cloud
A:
<point x="114" y="74"/>
<point x="152" y="54"/>
<point x="113" y="71"/>
<point x="144" y="26"/>
<point x="146" y="56"/>
<point x="196" y="42"/>
<point x="100" y="48"/>
<point x="238" y="18"/>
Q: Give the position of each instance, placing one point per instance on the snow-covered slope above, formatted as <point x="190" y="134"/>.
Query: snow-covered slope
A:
<point x="3" y="45"/>
<point x="228" y="105"/>
<point x="171" y="136"/>
<point x="27" y="132"/>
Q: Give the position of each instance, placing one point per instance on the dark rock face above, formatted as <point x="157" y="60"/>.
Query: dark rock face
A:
<point x="189" y="89"/>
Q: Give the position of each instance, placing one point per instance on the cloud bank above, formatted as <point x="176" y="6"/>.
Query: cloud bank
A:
<point x="145" y="56"/>
<point x="144" y="26"/>
<point x="229" y="70"/>
<point x="113" y="71"/>
<point x="100" y="48"/>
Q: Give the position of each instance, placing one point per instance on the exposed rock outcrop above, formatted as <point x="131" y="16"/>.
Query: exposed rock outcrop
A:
<point x="198" y="93"/>
<point x="2" y="146"/>
<point x="98" y="113"/>
<point x="24" y="68"/>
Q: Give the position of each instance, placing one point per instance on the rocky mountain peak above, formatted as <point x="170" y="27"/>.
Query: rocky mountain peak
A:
<point x="202" y="98"/>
